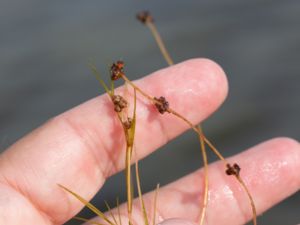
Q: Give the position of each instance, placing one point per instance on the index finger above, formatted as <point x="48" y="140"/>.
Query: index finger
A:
<point x="83" y="146"/>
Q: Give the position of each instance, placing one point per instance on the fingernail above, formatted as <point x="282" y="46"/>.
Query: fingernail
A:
<point x="176" y="221"/>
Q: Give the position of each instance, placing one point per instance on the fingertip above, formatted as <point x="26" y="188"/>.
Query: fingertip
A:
<point x="288" y="154"/>
<point x="213" y="72"/>
<point x="270" y="171"/>
<point x="281" y="150"/>
<point x="214" y="77"/>
<point x="287" y="142"/>
<point x="208" y="81"/>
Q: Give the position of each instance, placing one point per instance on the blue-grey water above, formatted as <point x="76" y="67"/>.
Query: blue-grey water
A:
<point x="45" y="47"/>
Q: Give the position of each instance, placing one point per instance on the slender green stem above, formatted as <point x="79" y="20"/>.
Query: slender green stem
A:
<point x="128" y="180"/>
<point x="119" y="213"/>
<point x="160" y="43"/>
<point x="110" y="212"/>
<point x="138" y="182"/>
<point x="155" y="205"/>
<point x="254" y="218"/>
<point x="86" y="220"/>
<point x="205" y="162"/>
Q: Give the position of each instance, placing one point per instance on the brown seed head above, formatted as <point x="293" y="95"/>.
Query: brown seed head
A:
<point x="128" y="123"/>
<point x="120" y="64"/>
<point x="162" y="105"/>
<point x="116" y="70"/>
<point x="144" y="17"/>
<point x="119" y="103"/>
<point x="233" y="170"/>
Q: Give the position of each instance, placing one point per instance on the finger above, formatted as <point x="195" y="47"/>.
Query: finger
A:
<point x="83" y="146"/>
<point x="270" y="171"/>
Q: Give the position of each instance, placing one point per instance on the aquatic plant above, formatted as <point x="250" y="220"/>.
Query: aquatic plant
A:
<point x="128" y="122"/>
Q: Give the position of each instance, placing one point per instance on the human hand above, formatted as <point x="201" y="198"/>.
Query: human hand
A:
<point x="82" y="147"/>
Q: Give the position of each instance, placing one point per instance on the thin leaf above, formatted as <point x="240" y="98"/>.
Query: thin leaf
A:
<point x="138" y="182"/>
<point x="87" y="204"/>
<point x="133" y="125"/>
<point x="86" y="220"/>
<point x="119" y="213"/>
<point x="112" y="87"/>
<point x="111" y="214"/>
<point x="99" y="78"/>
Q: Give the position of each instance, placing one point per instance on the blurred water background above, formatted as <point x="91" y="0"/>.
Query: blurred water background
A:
<point x="45" y="47"/>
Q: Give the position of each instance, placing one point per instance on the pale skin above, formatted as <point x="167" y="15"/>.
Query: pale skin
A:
<point x="85" y="145"/>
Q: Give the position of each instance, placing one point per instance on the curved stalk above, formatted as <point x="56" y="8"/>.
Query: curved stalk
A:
<point x="254" y="217"/>
<point x="205" y="195"/>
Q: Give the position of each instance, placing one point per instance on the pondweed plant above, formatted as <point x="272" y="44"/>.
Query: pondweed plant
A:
<point x="128" y="122"/>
